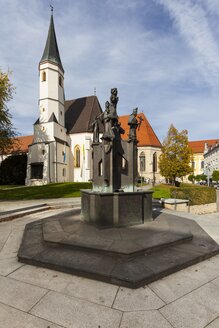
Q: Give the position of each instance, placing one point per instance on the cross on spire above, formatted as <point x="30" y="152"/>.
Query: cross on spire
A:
<point x="51" y="9"/>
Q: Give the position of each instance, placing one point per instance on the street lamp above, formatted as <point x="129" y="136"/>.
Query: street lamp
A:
<point x="208" y="173"/>
<point x="142" y="166"/>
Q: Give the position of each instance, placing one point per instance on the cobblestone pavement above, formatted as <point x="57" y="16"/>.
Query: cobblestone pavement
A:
<point x="32" y="297"/>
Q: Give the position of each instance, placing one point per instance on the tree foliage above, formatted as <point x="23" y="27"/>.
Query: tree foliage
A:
<point x="13" y="170"/>
<point x="201" y="177"/>
<point x="176" y="155"/>
<point x="7" y="132"/>
<point x="191" y="178"/>
<point x="215" y="175"/>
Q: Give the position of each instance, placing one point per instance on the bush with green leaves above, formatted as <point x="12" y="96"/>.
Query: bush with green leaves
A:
<point x="197" y="195"/>
<point x="215" y="175"/>
<point x="201" y="177"/>
<point x="191" y="178"/>
<point x="13" y="170"/>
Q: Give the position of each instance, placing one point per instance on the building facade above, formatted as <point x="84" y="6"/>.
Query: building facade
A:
<point x="211" y="158"/>
<point x="198" y="149"/>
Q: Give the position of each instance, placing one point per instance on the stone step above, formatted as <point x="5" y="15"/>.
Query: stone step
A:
<point x="119" y="242"/>
<point x="18" y="213"/>
<point x="130" y="272"/>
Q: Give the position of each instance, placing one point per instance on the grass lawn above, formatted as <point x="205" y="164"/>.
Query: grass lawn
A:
<point x="161" y="191"/>
<point x="53" y="190"/>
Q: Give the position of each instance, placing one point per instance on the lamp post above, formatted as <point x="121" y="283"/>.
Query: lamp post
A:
<point x="208" y="173"/>
<point x="141" y="167"/>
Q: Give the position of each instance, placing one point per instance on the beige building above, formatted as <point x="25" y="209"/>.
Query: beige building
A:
<point x="198" y="148"/>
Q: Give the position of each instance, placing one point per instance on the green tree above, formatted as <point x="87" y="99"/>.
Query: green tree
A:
<point x="176" y="155"/>
<point x="215" y="175"/>
<point x="191" y="178"/>
<point x="7" y="132"/>
<point x="200" y="177"/>
<point x="13" y="170"/>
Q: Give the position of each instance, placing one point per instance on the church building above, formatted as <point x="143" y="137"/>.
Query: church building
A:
<point x="62" y="134"/>
<point x="61" y="150"/>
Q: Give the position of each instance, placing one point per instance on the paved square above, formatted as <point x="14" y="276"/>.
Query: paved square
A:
<point x="32" y="297"/>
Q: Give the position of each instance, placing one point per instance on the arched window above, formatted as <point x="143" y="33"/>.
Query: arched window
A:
<point x="155" y="162"/>
<point x="142" y="161"/>
<point x="77" y="155"/>
<point x="100" y="168"/>
<point x="43" y="76"/>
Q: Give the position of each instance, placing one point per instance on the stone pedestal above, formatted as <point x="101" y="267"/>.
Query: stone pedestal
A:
<point x="127" y="256"/>
<point x="116" y="208"/>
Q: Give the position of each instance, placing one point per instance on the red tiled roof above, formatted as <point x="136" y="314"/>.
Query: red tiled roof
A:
<point x="145" y="135"/>
<point x="21" y="144"/>
<point x="199" y="145"/>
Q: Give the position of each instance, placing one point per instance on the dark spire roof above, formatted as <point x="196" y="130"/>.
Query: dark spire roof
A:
<point x="80" y="113"/>
<point x="51" y="51"/>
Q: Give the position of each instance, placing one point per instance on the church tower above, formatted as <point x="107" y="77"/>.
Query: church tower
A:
<point x="48" y="156"/>
<point x="51" y="79"/>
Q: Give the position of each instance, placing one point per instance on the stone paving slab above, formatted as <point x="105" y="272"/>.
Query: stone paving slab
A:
<point x="4" y="234"/>
<point x="213" y="324"/>
<point x="12" y="318"/>
<point x="136" y="300"/>
<point x="216" y="281"/>
<point x="12" y="243"/>
<point x="183" y="282"/>
<point x="194" y="310"/>
<point x="18" y="294"/>
<point x="87" y="289"/>
<point x="209" y="222"/>
<point x="73" y="312"/>
<point x="9" y="265"/>
<point x="144" y="319"/>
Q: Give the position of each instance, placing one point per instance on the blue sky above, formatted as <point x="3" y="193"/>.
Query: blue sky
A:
<point x="162" y="55"/>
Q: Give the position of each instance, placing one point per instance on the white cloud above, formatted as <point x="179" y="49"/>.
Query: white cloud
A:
<point x="106" y="44"/>
<point x="192" y="22"/>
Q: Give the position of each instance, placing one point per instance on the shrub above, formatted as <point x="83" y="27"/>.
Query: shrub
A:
<point x="191" y="178"/>
<point x="197" y="195"/>
<point x="215" y="175"/>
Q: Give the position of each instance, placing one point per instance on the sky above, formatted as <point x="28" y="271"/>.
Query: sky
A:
<point x="162" y="55"/>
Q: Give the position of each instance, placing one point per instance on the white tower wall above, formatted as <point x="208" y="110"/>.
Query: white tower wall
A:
<point x="51" y="97"/>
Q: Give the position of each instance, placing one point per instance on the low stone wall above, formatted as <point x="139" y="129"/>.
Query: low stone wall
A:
<point x="182" y="205"/>
<point x="203" y="209"/>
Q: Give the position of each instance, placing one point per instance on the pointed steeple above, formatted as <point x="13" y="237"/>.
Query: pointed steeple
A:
<point x="51" y="51"/>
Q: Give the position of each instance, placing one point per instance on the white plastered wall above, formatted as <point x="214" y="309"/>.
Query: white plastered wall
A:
<point x="51" y="97"/>
<point x="84" y="141"/>
<point x="148" y="173"/>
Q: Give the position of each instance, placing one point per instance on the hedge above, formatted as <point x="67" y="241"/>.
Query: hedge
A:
<point x="197" y="195"/>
